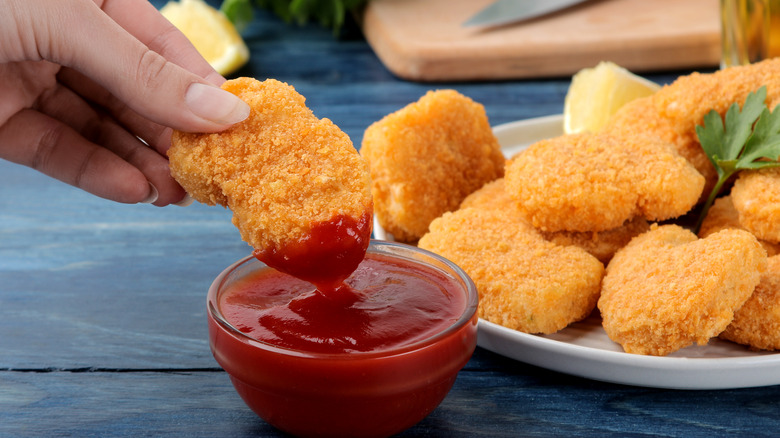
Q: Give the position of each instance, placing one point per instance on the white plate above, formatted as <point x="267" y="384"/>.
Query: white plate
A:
<point x="583" y="349"/>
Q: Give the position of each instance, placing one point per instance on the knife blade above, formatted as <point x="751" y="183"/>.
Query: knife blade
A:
<point x="503" y="12"/>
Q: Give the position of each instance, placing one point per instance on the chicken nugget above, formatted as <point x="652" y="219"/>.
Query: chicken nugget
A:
<point x="674" y="111"/>
<point x="757" y="322"/>
<point x="723" y="215"/>
<point x="491" y="196"/>
<point x="668" y="289"/>
<point x="756" y="196"/>
<point x="602" y="244"/>
<point x="689" y="98"/>
<point x="640" y="117"/>
<point x="427" y="157"/>
<point x="524" y="282"/>
<point x="299" y="191"/>
<point x="597" y="182"/>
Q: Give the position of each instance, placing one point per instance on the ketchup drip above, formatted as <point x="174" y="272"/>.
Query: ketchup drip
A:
<point x="325" y="256"/>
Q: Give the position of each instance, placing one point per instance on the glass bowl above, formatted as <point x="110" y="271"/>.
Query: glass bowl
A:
<point x="355" y="393"/>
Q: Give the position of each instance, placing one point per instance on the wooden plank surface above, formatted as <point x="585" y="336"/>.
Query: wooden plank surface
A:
<point x="102" y="305"/>
<point x="492" y="397"/>
<point x="424" y="40"/>
<point x="99" y="284"/>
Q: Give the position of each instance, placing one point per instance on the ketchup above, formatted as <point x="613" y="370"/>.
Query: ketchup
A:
<point x="327" y="255"/>
<point x="369" y="357"/>
<point x="386" y="303"/>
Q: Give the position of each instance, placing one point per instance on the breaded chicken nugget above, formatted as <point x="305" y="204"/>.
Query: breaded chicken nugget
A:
<point x="723" y="215"/>
<point x="299" y="191"/>
<point x="601" y="245"/>
<point x="689" y="98"/>
<point x="640" y="117"/>
<point x="491" y="196"/>
<point x="757" y="322"/>
<point x="597" y="182"/>
<point x="427" y="157"/>
<point x="675" y="110"/>
<point x="668" y="289"/>
<point x="524" y="282"/>
<point x="756" y="196"/>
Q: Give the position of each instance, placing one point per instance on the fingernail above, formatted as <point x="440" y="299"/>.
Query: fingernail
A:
<point x="215" y="104"/>
<point x="153" y="195"/>
<point x="185" y="201"/>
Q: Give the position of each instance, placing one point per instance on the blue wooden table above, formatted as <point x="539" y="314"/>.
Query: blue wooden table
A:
<point x="102" y="305"/>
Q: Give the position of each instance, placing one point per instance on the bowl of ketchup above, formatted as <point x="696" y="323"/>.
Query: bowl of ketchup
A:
<point x="370" y="357"/>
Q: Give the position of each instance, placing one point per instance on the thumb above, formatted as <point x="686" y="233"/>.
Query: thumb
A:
<point x="144" y="80"/>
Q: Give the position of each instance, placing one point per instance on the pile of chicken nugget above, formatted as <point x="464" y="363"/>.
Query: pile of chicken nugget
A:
<point x="593" y="222"/>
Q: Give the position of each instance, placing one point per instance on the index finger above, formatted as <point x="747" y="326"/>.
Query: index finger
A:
<point x="148" y="83"/>
<point x="142" y="20"/>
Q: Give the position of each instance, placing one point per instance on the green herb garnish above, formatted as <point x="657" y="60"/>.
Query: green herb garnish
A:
<point x="329" y="13"/>
<point x="750" y="139"/>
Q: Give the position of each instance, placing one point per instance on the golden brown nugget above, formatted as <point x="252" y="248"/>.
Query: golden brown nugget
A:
<point x="676" y="109"/>
<point x="640" y="117"/>
<point x="299" y="191"/>
<point x="524" y="282"/>
<point x="757" y="322"/>
<point x="689" y="98"/>
<point x="602" y="244"/>
<point x="756" y="196"/>
<point x="668" y="289"/>
<point x="491" y="196"/>
<point x="427" y="157"/>
<point x="723" y="215"/>
<point x="597" y="182"/>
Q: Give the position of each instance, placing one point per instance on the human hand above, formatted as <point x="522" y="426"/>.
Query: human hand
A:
<point x="83" y="81"/>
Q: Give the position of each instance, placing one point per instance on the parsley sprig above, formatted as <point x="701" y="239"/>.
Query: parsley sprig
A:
<point x="750" y="139"/>
<point x="329" y="13"/>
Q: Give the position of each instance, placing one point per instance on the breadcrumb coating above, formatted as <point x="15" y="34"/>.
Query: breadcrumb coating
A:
<point x="674" y="111"/>
<point x="283" y="172"/>
<point x="426" y="157"/>
<point x="597" y="182"/>
<point x="723" y="215"/>
<point x="756" y="196"/>
<point x="491" y="196"/>
<point x="668" y="289"/>
<point x="602" y="244"/>
<point x="690" y="97"/>
<point x="639" y="117"/>
<point x="525" y="282"/>
<point x="757" y="322"/>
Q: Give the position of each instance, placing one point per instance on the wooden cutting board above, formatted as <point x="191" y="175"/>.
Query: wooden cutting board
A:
<point x="423" y="40"/>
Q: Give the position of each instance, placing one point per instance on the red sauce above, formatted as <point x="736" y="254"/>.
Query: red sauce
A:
<point x="386" y="303"/>
<point x="326" y="256"/>
<point x="379" y="380"/>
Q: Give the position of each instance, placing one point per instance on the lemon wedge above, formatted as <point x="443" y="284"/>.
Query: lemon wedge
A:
<point x="595" y="94"/>
<point x="210" y="32"/>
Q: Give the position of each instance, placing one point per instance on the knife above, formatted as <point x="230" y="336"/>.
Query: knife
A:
<point x="503" y="12"/>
